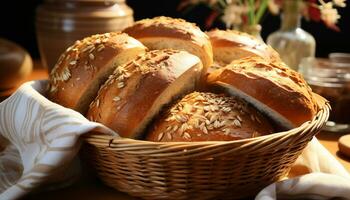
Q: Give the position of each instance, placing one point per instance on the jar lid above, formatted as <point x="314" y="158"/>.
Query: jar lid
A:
<point x="321" y="71"/>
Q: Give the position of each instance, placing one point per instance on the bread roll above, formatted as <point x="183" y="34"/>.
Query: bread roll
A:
<point x="166" y="32"/>
<point x="79" y="72"/>
<point x="209" y="117"/>
<point x="273" y="88"/>
<point x="136" y="92"/>
<point x="231" y="45"/>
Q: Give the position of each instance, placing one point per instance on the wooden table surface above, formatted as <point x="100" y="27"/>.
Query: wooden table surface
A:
<point x="94" y="189"/>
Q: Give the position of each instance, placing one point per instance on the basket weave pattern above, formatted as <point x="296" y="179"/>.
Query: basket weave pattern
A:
<point x="199" y="170"/>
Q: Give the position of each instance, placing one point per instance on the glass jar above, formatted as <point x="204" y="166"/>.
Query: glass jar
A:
<point x="332" y="81"/>
<point x="291" y="41"/>
<point x="59" y="23"/>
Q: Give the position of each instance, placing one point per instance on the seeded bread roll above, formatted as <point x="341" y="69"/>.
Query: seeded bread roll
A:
<point x="166" y="32"/>
<point x="231" y="45"/>
<point x="83" y="68"/>
<point x="273" y="88"/>
<point x="136" y="92"/>
<point x="209" y="117"/>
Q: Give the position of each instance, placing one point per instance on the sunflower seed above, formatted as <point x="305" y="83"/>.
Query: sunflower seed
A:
<point x="175" y="128"/>
<point x="168" y="134"/>
<point x="73" y="62"/>
<point x="217" y="124"/>
<point x="205" y="130"/>
<point x="100" y="47"/>
<point x="116" y="98"/>
<point x="239" y="118"/>
<point x="213" y="118"/>
<point x="226" y="109"/>
<point x="186" y="135"/>
<point x="91" y="56"/>
<point x="120" y="85"/>
<point x="160" y="136"/>
<point x="226" y="131"/>
<point x="237" y="123"/>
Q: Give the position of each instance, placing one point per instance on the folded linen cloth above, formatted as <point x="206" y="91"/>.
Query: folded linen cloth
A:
<point x="324" y="178"/>
<point x="39" y="140"/>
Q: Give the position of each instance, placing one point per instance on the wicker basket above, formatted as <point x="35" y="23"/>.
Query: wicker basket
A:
<point x="199" y="170"/>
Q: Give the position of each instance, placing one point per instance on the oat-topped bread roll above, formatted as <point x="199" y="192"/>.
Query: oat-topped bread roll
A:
<point x="273" y="88"/>
<point x="136" y="92"/>
<point x="209" y="117"/>
<point x="83" y="67"/>
<point x="231" y="45"/>
<point x="166" y="32"/>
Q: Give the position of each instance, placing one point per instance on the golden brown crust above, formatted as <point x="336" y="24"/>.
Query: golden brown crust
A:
<point x="208" y="117"/>
<point x="240" y="44"/>
<point x="127" y="97"/>
<point x="178" y="29"/>
<point x="169" y="27"/>
<point x="273" y="84"/>
<point x="232" y="38"/>
<point x="80" y="64"/>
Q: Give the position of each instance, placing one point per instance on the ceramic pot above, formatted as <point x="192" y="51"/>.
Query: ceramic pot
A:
<point x="15" y="64"/>
<point x="59" y="23"/>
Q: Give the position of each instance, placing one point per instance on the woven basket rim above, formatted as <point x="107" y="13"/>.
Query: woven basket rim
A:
<point x="321" y="117"/>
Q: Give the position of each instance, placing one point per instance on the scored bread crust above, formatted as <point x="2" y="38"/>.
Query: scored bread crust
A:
<point x="206" y="116"/>
<point x="273" y="88"/>
<point x="229" y="45"/>
<point x="134" y="94"/>
<point x="165" y="32"/>
<point x="83" y="67"/>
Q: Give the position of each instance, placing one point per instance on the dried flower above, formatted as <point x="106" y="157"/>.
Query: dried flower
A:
<point x="233" y="15"/>
<point x="339" y="3"/>
<point x="242" y="12"/>
<point x="274" y="7"/>
<point x="312" y="12"/>
<point x="232" y="12"/>
<point x="329" y="14"/>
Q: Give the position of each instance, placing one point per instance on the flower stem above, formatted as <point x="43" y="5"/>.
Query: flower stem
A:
<point x="222" y="3"/>
<point x="261" y="11"/>
<point x="251" y="12"/>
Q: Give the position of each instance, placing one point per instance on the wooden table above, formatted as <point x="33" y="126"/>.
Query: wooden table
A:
<point x="94" y="189"/>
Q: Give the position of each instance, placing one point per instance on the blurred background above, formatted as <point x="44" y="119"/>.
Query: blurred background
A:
<point x="17" y="18"/>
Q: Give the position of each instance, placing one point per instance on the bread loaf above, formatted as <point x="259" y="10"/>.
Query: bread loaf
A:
<point x="134" y="94"/>
<point x="115" y="80"/>
<point x="231" y="45"/>
<point x="83" y="67"/>
<point x="209" y="117"/>
<point x="166" y="32"/>
<point x="273" y="88"/>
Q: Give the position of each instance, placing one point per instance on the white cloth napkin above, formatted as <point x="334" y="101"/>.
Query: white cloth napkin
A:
<point x="39" y="140"/>
<point x="324" y="178"/>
